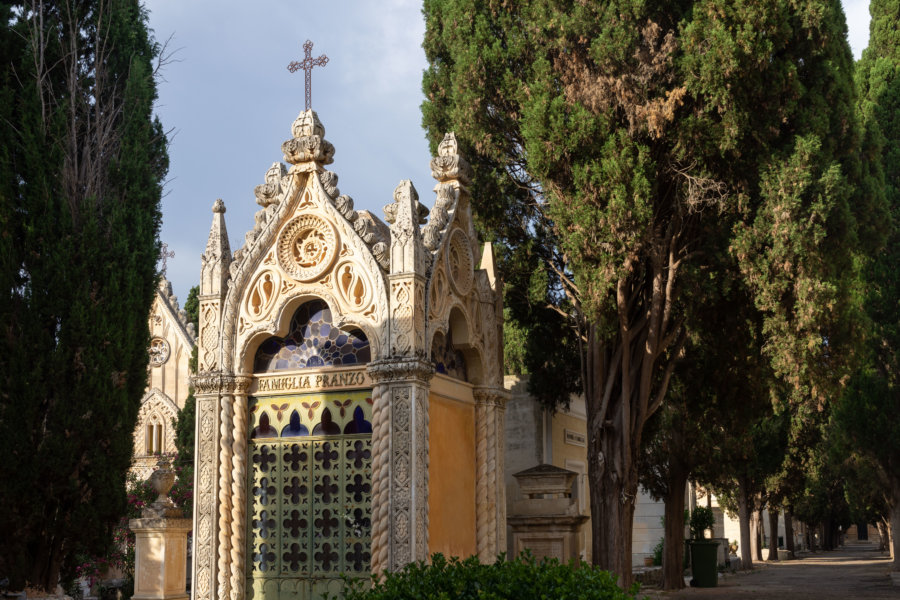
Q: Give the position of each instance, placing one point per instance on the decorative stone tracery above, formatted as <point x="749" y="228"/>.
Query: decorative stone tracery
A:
<point x="393" y="285"/>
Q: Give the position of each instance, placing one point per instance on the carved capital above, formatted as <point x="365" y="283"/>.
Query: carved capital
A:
<point x="403" y="369"/>
<point x="236" y="384"/>
<point x="488" y="396"/>
<point x="209" y="382"/>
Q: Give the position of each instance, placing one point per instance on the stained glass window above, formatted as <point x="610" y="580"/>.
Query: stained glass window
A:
<point x="313" y="341"/>
<point x="447" y="359"/>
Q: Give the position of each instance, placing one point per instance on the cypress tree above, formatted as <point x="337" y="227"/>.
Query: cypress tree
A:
<point x="870" y="412"/>
<point x="83" y="161"/>
<point x="627" y="145"/>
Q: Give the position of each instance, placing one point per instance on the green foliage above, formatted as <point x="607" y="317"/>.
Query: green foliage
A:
<point x="867" y="417"/>
<point x="658" y="552"/>
<point x="702" y="518"/>
<point x="82" y="161"/>
<point x="184" y="431"/>
<point x="522" y="579"/>
<point x="192" y="307"/>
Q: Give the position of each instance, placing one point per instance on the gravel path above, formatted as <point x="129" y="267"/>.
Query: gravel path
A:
<point x="851" y="572"/>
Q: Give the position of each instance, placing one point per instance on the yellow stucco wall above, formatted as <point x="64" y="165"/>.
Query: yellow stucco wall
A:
<point x="451" y="469"/>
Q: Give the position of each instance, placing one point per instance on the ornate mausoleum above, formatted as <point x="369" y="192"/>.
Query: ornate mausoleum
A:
<point x="350" y="397"/>
<point x="171" y="344"/>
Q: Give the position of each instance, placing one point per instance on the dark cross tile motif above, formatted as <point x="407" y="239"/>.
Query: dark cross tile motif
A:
<point x="326" y="524"/>
<point x="358" y="488"/>
<point x="295" y="524"/>
<point x="294" y="458"/>
<point x="358" y="558"/>
<point x="327" y="557"/>
<point x="264" y="559"/>
<point x="358" y="523"/>
<point x="264" y="458"/>
<point x="327" y="489"/>
<point x="264" y="491"/>
<point x="359" y="454"/>
<point x="295" y="558"/>
<point x="295" y="490"/>
<point x="265" y="524"/>
<point x="327" y="455"/>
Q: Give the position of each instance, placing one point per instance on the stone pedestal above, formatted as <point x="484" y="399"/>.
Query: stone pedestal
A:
<point x="160" y="558"/>
<point x="547" y="521"/>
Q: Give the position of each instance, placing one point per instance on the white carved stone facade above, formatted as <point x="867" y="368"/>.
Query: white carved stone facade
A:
<point x="411" y="285"/>
<point x="171" y="344"/>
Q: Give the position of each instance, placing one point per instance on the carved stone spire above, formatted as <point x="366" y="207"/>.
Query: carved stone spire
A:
<point x="215" y="261"/>
<point x="308" y="150"/>
<point x="405" y="215"/>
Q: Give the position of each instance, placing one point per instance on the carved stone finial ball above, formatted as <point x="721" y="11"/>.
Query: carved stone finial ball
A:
<point x="218" y="206"/>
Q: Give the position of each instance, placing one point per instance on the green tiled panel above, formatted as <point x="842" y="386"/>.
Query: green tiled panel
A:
<point x="309" y="514"/>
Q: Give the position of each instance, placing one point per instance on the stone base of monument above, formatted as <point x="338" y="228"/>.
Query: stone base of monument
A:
<point x="547" y="521"/>
<point x="160" y="544"/>
<point x="160" y="548"/>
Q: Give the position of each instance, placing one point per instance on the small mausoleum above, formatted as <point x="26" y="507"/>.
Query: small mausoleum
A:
<point x="171" y="345"/>
<point x="350" y="395"/>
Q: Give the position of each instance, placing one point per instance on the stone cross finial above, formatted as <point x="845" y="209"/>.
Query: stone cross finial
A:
<point x="307" y="65"/>
<point x="164" y="255"/>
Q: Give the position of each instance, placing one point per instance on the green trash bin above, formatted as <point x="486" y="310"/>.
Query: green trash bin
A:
<point x="704" y="563"/>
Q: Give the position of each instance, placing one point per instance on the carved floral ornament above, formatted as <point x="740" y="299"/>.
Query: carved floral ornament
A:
<point x="307" y="247"/>
<point x="460" y="264"/>
<point x="159" y="352"/>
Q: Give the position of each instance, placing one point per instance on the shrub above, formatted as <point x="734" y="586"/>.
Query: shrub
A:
<point x="658" y="552"/>
<point x="702" y="518"/>
<point x="521" y="579"/>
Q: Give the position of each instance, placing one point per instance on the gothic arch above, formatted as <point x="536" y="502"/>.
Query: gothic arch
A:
<point x="155" y="405"/>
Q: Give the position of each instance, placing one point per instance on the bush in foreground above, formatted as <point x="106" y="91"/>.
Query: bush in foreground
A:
<point x="523" y="578"/>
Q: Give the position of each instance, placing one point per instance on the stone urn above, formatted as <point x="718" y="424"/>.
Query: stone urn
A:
<point x="162" y="480"/>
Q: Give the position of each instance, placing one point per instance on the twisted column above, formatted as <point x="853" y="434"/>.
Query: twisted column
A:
<point x="381" y="479"/>
<point x="399" y="462"/>
<point x="490" y="495"/>
<point x="239" y="487"/>
<point x="226" y="442"/>
<point x="481" y="479"/>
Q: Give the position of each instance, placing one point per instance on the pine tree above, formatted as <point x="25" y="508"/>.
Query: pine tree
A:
<point x="622" y="144"/>
<point x="83" y="161"/>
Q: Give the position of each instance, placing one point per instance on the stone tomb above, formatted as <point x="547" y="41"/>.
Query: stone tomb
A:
<point x="350" y="396"/>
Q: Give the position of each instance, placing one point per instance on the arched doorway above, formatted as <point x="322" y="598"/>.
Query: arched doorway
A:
<point x="310" y="474"/>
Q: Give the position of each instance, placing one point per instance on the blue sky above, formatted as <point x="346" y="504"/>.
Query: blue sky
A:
<point x="229" y="101"/>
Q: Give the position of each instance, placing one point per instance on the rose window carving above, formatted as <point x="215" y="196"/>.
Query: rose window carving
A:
<point x="159" y="351"/>
<point x="307" y="247"/>
<point x="460" y="264"/>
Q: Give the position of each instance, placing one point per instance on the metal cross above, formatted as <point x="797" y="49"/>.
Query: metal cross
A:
<point x="164" y="255"/>
<point x="307" y="65"/>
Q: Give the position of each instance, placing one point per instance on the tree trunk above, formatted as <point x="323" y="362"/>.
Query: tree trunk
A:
<point x="828" y="542"/>
<point x="673" y="543"/>
<point x="612" y="507"/>
<point x="895" y="526"/>
<point x="884" y="534"/>
<point x="744" y="520"/>
<point x="789" y="530"/>
<point x="773" y="533"/>
<point x="760" y="534"/>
